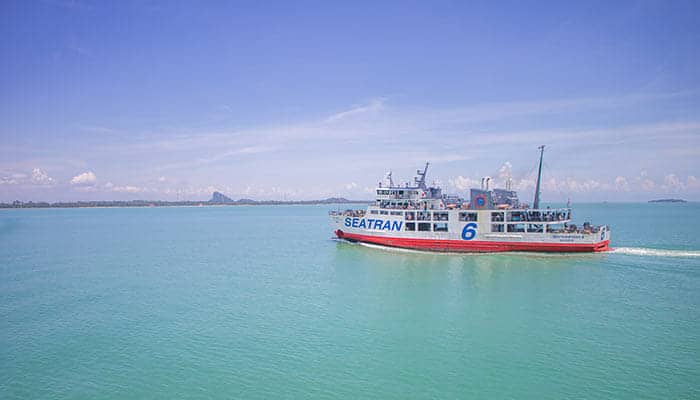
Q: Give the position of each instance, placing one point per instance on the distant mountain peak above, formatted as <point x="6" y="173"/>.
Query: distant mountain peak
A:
<point x="220" y="198"/>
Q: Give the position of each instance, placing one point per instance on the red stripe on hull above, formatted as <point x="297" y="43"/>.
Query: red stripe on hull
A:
<point x="472" y="246"/>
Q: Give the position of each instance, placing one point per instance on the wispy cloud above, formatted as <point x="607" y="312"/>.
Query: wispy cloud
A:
<point x="96" y="129"/>
<point x="248" y="150"/>
<point x="461" y="142"/>
<point x="374" y="105"/>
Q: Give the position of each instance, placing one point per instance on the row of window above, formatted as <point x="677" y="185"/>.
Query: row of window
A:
<point x="385" y="212"/>
<point x="443" y="227"/>
<point x="428" y="215"/>
<point x="425" y="227"/>
<point x="385" y="192"/>
<point x="516" y="216"/>
<point x="517" y="228"/>
<point x="438" y="216"/>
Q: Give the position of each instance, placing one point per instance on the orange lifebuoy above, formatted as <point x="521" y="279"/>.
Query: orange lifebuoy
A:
<point x="480" y="201"/>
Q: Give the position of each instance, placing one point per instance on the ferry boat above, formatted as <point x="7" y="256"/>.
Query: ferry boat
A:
<point x="418" y="216"/>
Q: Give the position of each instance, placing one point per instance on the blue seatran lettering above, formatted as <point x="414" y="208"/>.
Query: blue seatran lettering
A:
<point x="469" y="231"/>
<point x="377" y="224"/>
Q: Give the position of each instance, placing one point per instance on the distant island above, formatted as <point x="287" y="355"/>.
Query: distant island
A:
<point x="668" y="201"/>
<point x="217" y="198"/>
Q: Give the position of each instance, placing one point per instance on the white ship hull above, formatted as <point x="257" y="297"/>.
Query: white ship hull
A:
<point x="460" y="230"/>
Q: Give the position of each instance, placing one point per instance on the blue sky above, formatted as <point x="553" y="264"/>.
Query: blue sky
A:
<point x="303" y="100"/>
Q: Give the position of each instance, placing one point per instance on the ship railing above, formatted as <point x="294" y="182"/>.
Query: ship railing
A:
<point x="586" y="229"/>
<point x="547" y="215"/>
<point x="347" y="213"/>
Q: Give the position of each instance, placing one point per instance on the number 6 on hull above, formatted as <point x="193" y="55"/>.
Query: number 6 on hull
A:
<point x="469" y="231"/>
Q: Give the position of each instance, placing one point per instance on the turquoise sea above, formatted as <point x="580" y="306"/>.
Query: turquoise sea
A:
<point x="261" y="303"/>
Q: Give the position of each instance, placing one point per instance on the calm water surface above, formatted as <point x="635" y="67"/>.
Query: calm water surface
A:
<point x="260" y="303"/>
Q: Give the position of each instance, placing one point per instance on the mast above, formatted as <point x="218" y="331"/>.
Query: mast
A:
<point x="421" y="182"/>
<point x="536" y="203"/>
<point x="391" y="181"/>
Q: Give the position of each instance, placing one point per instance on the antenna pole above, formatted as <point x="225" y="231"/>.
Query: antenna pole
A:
<point x="421" y="181"/>
<point x="536" y="203"/>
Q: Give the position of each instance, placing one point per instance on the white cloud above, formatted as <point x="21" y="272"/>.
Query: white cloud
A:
<point x="621" y="184"/>
<point x="127" y="189"/>
<point x="648" y="184"/>
<point x="13" y="178"/>
<point x="505" y="173"/>
<point x="85" y="179"/>
<point x="524" y="184"/>
<point x="644" y="182"/>
<point x="672" y="183"/>
<point x="462" y="183"/>
<point x="40" y="177"/>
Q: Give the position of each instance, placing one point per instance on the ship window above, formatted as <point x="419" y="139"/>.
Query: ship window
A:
<point x="468" y="216"/>
<point x="396" y="213"/>
<point x="383" y="212"/>
<point x="516" y="227"/>
<point x="497" y="228"/>
<point x="535" y="228"/>
<point x="373" y="211"/>
<point x="441" y="227"/>
<point x="440" y="216"/>
<point x="496" y="217"/>
<point x="555" y="228"/>
<point x="516" y="216"/>
<point x="423" y="216"/>
<point x="534" y="216"/>
<point x="410" y="216"/>
<point x="424" y="226"/>
<point x="410" y="226"/>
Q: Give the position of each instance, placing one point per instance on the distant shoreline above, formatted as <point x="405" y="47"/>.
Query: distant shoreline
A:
<point x="148" y="204"/>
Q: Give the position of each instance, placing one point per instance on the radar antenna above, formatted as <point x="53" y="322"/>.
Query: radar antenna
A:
<point x="536" y="203"/>
<point x="420" y="182"/>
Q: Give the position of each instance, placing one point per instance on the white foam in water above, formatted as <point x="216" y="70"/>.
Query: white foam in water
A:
<point x="642" y="251"/>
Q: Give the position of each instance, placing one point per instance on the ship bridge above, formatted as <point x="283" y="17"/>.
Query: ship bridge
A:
<point x="416" y="195"/>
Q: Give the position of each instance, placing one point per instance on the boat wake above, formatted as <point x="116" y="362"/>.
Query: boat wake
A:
<point x="643" y="251"/>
